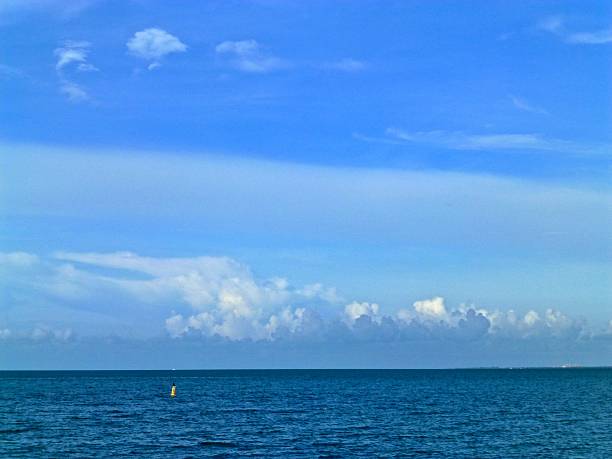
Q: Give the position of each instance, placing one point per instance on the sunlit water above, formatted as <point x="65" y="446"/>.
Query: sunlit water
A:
<point x="446" y="413"/>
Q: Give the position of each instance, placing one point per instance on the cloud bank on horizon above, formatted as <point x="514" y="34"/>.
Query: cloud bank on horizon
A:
<point x="187" y="308"/>
<point x="220" y="297"/>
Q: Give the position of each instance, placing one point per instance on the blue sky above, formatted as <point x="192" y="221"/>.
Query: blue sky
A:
<point x="335" y="178"/>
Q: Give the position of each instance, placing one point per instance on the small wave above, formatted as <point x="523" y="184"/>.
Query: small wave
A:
<point x="222" y="444"/>
<point x="18" y="430"/>
<point x="327" y="443"/>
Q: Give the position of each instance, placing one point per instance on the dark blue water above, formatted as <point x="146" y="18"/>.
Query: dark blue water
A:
<point x="310" y="413"/>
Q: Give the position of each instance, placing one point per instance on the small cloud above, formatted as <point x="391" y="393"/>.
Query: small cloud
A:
<point x="461" y="141"/>
<point x="62" y="8"/>
<point x="556" y="25"/>
<point x="74" y="92"/>
<point x="590" y="38"/>
<point x="458" y="140"/>
<point x="433" y="308"/>
<point x="248" y="56"/>
<point x="523" y="104"/>
<point x="74" y="52"/>
<point x="17" y="259"/>
<point x="552" y="24"/>
<point x="346" y="65"/>
<point x="7" y="71"/>
<point x="242" y="48"/>
<point x="355" y="310"/>
<point x="73" y="56"/>
<point x="87" y="68"/>
<point x="46" y="333"/>
<point x="153" y="44"/>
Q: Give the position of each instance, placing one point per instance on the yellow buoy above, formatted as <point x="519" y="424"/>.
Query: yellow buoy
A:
<point x="173" y="390"/>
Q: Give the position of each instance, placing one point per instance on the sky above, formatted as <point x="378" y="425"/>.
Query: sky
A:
<point x="283" y="184"/>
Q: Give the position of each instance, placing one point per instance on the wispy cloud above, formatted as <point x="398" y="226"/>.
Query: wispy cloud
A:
<point x="397" y="199"/>
<point x="72" y="57"/>
<point x="552" y="24"/>
<point x="459" y="140"/>
<point x="556" y="25"/>
<point x="599" y="37"/>
<point x="346" y="65"/>
<point x="249" y="56"/>
<point x="62" y="8"/>
<point x="525" y="105"/>
<point x="73" y="92"/>
<point x="8" y="71"/>
<point x="153" y="45"/>
<point x="74" y="52"/>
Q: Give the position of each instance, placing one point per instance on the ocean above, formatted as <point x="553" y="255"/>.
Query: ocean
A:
<point x="556" y="413"/>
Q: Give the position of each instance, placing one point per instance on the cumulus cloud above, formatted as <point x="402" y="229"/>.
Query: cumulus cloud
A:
<point x="550" y="323"/>
<point x="356" y="310"/>
<point x="431" y="308"/>
<point x="218" y="295"/>
<point x="248" y="56"/>
<point x="153" y="44"/>
<point x="220" y="298"/>
<point x="38" y="333"/>
<point x="46" y="333"/>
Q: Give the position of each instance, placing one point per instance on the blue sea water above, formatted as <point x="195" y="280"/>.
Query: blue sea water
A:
<point x="308" y="413"/>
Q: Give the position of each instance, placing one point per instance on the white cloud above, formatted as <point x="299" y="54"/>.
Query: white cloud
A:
<point x="532" y="323"/>
<point x="72" y="56"/>
<point x="556" y="26"/>
<point x="318" y="290"/>
<point x="74" y="52"/>
<point x="248" y="56"/>
<point x="599" y="37"/>
<point x="65" y="9"/>
<point x="17" y="259"/>
<point x="552" y="24"/>
<point x="153" y="44"/>
<point x="219" y="297"/>
<point x="355" y="310"/>
<point x="457" y="140"/>
<point x="222" y="296"/>
<point x="433" y="308"/>
<point x="523" y="104"/>
<point x="241" y="48"/>
<point x="74" y="92"/>
<point x="47" y="333"/>
<point x="7" y="71"/>
<point x="346" y="65"/>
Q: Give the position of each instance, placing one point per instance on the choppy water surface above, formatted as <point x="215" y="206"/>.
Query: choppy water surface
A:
<point x="310" y="413"/>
